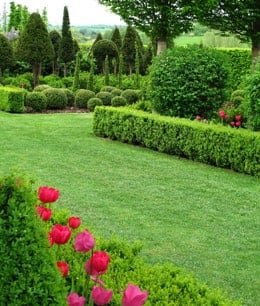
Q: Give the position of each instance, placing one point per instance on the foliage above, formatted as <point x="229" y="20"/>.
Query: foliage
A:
<point x="41" y="87"/>
<point x="53" y="81"/>
<point x="212" y="144"/>
<point x="131" y="95"/>
<point x="189" y="81"/>
<point x="76" y="82"/>
<point x="70" y="96"/>
<point x="105" y="97"/>
<point x="12" y="99"/>
<point x="55" y="40"/>
<point x="6" y="54"/>
<point x="36" y="100"/>
<point x="82" y="96"/>
<point x="161" y="22"/>
<point x="18" y="16"/>
<point x="29" y="275"/>
<point x="93" y="102"/>
<point x="118" y="101"/>
<point x="116" y="38"/>
<point x="108" y="88"/>
<point x="56" y="98"/>
<point x="34" y="45"/>
<point x="115" y="92"/>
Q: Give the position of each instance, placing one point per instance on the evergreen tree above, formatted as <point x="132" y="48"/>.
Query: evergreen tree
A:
<point x="45" y="17"/>
<point x="56" y="40"/>
<point x="6" y="54"/>
<point x="76" y="84"/>
<point x="128" y="49"/>
<point x="18" y="17"/>
<point x="106" y="71"/>
<point x="34" y="45"/>
<point x="116" y="38"/>
<point x="67" y="53"/>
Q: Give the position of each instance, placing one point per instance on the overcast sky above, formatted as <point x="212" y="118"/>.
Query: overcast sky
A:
<point x="81" y="12"/>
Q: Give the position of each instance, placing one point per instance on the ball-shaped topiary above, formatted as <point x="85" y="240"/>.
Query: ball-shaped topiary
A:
<point x="41" y="87"/>
<point x="93" y="102"/>
<point x="116" y="92"/>
<point x="36" y="100"/>
<point x="82" y="96"/>
<point x="106" y="97"/>
<point x="118" y="101"/>
<point x="131" y="95"/>
<point x="56" y="98"/>
<point x="70" y="96"/>
<point x="108" y="88"/>
<point x="190" y="81"/>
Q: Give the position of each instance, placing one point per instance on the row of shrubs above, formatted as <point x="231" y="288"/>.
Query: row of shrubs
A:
<point x="30" y="276"/>
<point x="45" y="97"/>
<point x="212" y="144"/>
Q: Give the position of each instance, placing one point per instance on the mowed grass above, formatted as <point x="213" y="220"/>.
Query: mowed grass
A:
<point x="198" y="217"/>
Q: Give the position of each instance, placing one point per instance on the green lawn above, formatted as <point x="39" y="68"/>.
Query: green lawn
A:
<point x="198" y="217"/>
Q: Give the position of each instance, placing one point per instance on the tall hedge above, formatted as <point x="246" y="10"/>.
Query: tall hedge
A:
<point x="189" y="81"/>
<point x="28" y="274"/>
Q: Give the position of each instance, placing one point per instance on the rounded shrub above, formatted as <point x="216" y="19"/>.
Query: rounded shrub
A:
<point x="93" y="102"/>
<point x="106" y="97"/>
<point x="35" y="100"/>
<point x="82" y="96"/>
<point x="56" y="98"/>
<point x="118" y="101"/>
<point x="189" y="81"/>
<point x="116" y="92"/>
<point x="53" y="81"/>
<point x="131" y="95"/>
<point x="108" y="88"/>
<point x="41" y="87"/>
<point x="70" y="96"/>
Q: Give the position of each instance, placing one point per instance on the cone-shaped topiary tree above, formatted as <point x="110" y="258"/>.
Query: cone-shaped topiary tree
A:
<point x="6" y="54"/>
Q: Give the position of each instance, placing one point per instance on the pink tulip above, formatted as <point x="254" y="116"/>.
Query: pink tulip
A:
<point x="101" y="296"/>
<point x="48" y="194"/>
<point x="84" y="242"/>
<point x="133" y="296"/>
<point x="221" y="113"/>
<point x="238" y="123"/>
<point x="238" y="117"/>
<point x="75" y="300"/>
<point x="198" y="118"/>
<point x="44" y="213"/>
<point x="232" y="123"/>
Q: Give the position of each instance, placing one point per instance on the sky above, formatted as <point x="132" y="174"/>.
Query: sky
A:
<point x="81" y="12"/>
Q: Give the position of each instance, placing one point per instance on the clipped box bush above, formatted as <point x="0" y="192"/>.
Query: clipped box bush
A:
<point x="36" y="101"/>
<point x="56" y="98"/>
<point x="41" y="87"/>
<point x="93" y="102"/>
<point x="107" y="88"/>
<point x="116" y="92"/>
<point x="29" y="275"/>
<point x="70" y="96"/>
<point x="105" y="96"/>
<point x="131" y="95"/>
<point x="12" y="99"/>
<point x="118" y="101"/>
<point x="216" y="145"/>
<point x="82" y="96"/>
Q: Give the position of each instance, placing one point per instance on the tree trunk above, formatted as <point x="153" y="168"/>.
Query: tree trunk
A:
<point x="36" y="73"/>
<point x="161" y="46"/>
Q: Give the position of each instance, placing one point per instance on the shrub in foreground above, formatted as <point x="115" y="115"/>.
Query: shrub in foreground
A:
<point x="93" y="102"/>
<point x="82" y="96"/>
<point x="56" y="98"/>
<point x="36" y="101"/>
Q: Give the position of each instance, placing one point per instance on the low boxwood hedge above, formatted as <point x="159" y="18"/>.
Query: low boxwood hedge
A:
<point x="212" y="144"/>
<point x="12" y="99"/>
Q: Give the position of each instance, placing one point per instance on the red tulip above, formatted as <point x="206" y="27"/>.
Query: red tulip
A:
<point x="63" y="267"/>
<point x="232" y="123"/>
<point x="84" y="242"/>
<point x="238" y="123"/>
<point x="74" y="222"/>
<point x="59" y="234"/>
<point x="48" y="194"/>
<point x="75" y="300"/>
<point x="98" y="263"/>
<point x="221" y="113"/>
<point x="226" y="117"/>
<point x="133" y="296"/>
<point x="44" y="213"/>
<point x="101" y="296"/>
<point x="238" y="117"/>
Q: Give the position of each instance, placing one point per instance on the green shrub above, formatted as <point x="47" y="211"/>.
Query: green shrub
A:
<point x="131" y="95"/>
<point x="70" y="96"/>
<point x="190" y="81"/>
<point x="106" y="97"/>
<point x="116" y="92"/>
<point x="218" y="145"/>
<point x="56" y="98"/>
<point x="108" y="88"/>
<point x="93" y="102"/>
<point x="53" y="81"/>
<point x="82" y="96"/>
<point x="118" y="101"/>
<point x="22" y="82"/>
<point x="143" y="105"/>
<point x="41" y="87"/>
<point x="12" y="99"/>
<point x="29" y="275"/>
<point x="37" y="101"/>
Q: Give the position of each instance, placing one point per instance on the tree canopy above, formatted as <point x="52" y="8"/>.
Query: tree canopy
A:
<point x="161" y="20"/>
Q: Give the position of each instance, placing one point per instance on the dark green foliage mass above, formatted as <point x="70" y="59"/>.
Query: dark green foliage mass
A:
<point x="6" y="54"/>
<point x="56" y="40"/>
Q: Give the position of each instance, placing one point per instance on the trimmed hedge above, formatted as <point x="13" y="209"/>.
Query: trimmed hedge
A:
<point x="12" y="99"/>
<point x="217" y="145"/>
